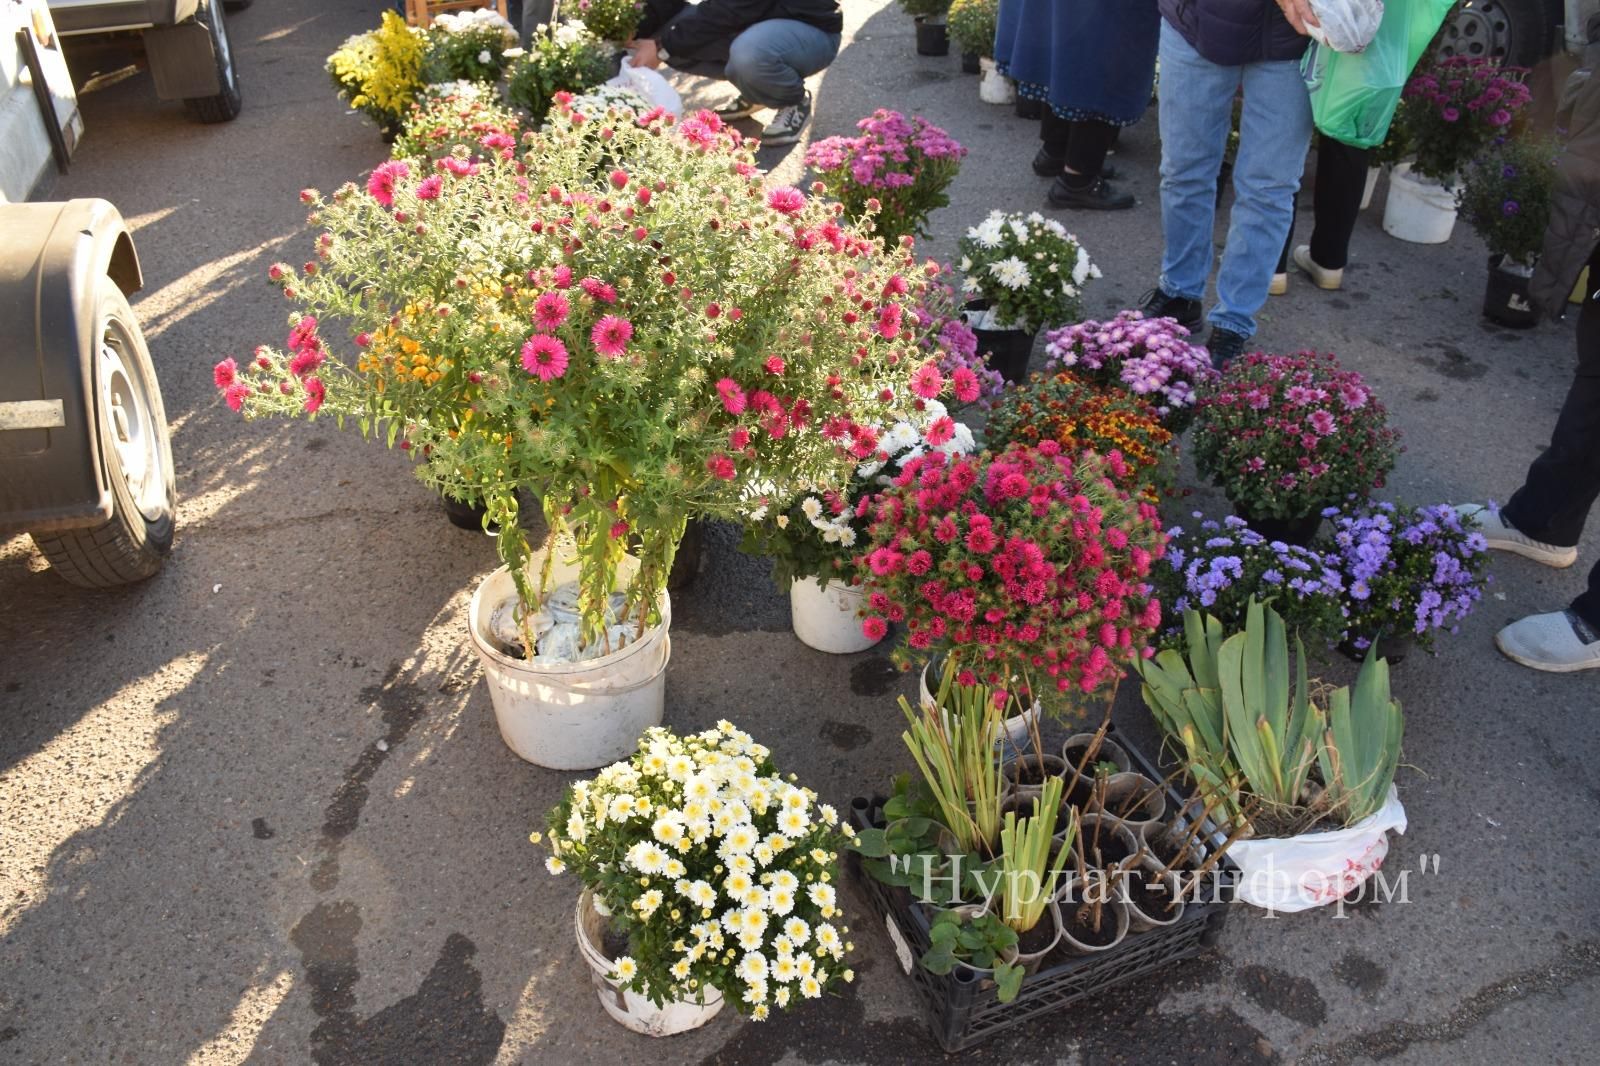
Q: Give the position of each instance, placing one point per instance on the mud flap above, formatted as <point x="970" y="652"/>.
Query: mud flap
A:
<point x="183" y="61"/>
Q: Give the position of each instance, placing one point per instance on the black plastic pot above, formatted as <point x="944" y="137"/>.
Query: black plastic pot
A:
<point x="1299" y="531"/>
<point x="1392" y="646"/>
<point x="463" y="515"/>
<point x="686" y="564"/>
<point x="969" y="63"/>
<point x="1032" y="109"/>
<point x="933" y="38"/>
<point x="1505" y="298"/>
<point x="1009" y="349"/>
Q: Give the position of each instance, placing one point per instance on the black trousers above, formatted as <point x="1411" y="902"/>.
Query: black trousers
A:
<point x="1341" y="179"/>
<point x="1082" y="145"/>
<point x="1564" y="481"/>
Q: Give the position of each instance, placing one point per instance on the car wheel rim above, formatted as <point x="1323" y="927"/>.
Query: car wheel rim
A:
<point x="1480" y="28"/>
<point x="132" y="433"/>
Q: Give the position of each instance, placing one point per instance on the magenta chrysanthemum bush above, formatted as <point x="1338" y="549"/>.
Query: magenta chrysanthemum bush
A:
<point x="893" y="174"/>
<point x="1030" y="568"/>
<point x="1452" y="109"/>
<point x="1287" y="435"/>
<point x="624" y="319"/>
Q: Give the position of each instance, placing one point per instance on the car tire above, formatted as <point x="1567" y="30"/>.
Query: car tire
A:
<point x="224" y="106"/>
<point x="135" y="448"/>
<point x="236" y="5"/>
<point x="1520" y="33"/>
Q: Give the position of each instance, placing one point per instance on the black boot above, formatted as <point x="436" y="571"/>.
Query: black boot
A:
<point x="1157" y="304"/>
<point x="1097" y="195"/>
<point x="1050" y="166"/>
<point x="1225" y="346"/>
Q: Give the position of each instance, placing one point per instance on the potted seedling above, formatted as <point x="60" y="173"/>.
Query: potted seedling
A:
<point x="1029" y="877"/>
<point x="978" y="942"/>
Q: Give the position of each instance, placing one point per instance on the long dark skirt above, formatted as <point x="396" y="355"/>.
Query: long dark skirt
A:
<point x="1088" y="59"/>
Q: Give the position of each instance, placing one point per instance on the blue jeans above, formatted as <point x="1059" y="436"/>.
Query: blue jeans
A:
<point x="1274" y="134"/>
<point x="769" y="62"/>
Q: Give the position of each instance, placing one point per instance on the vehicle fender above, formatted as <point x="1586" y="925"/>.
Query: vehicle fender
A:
<point x="52" y="256"/>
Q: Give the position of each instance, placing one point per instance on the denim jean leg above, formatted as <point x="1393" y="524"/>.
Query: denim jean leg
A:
<point x="769" y="62"/>
<point x="1274" y="135"/>
<point x="1196" y="112"/>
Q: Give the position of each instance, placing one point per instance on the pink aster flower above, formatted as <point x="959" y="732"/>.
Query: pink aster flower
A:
<point x="544" y="356"/>
<point x="380" y="184"/>
<point x="1322" y="422"/>
<point x="599" y="290"/>
<point x="550" y="311"/>
<point x="732" y="396"/>
<point x="611" y="335"/>
<point x="927" y="381"/>
<point x="315" y="394"/>
<point x="786" y="200"/>
<point x="874" y="628"/>
<point x="942" y="430"/>
<point x="721" y="467"/>
<point x="966" y="385"/>
<point x="235" y="395"/>
<point x="223" y="373"/>
<point x="430" y="187"/>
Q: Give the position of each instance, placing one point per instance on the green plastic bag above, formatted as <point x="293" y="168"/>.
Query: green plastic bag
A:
<point x="1354" y="94"/>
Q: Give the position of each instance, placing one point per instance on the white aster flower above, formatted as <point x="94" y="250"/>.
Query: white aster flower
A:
<point x="555" y="865"/>
<point x="811" y="507"/>
<point x="1011" y="272"/>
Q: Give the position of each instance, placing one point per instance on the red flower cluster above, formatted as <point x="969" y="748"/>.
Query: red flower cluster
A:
<point x="1029" y="567"/>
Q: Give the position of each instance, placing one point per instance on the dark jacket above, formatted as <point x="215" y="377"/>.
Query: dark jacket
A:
<point x="703" y="31"/>
<point x="1574" y="230"/>
<point x="1231" y="33"/>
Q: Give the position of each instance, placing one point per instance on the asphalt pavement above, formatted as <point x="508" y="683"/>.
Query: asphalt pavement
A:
<point x="256" y="808"/>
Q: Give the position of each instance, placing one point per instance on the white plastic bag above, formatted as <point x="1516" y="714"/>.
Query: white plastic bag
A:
<point x="650" y="85"/>
<point x="1346" y="25"/>
<point x="1292" y="874"/>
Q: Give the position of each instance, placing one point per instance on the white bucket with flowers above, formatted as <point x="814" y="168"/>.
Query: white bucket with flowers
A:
<point x="713" y="876"/>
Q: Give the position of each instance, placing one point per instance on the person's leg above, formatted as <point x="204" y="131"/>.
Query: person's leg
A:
<point x="1087" y="146"/>
<point x="1587" y="605"/>
<point x="1563" y="482"/>
<point x="1196" y="108"/>
<point x="1341" y="179"/>
<point x="1274" y="133"/>
<point x="769" y="62"/>
<point x="1055" y="132"/>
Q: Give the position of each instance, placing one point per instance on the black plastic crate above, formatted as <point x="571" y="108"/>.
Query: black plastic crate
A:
<point x="963" y="1008"/>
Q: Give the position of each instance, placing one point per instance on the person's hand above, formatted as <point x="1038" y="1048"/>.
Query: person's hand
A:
<point x="1299" y="14"/>
<point x="644" y="53"/>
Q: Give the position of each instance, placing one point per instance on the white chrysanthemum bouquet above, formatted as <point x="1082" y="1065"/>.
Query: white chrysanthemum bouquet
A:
<point x="1029" y="269"/>
<point x="720" y="872"/>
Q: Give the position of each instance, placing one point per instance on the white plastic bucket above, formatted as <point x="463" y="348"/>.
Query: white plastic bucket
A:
<point x="824" y="616"/>
<point x="994" y="87"/>
<point x="1017" y="729"/>
<point x="572" y="716"/>
<point x="627" y="1007"/>
<point x="1373" y="174"/>
<point x="1418" y="210"/>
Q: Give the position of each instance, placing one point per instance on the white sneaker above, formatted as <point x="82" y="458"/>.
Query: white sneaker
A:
<point x="1548" y="642"/>
<point x="1279" y="285"/>
<point x="736" y="109"/>
<point x="1502" y="535"/>
<point x="1324" y="278"/>
<point x="787" y="124"/>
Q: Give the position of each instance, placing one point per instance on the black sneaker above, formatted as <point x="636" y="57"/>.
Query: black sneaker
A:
<point x="1157" y="304"/>
<point x="1098" y="195"/>
<point x="787" y="125"/>
<point x="1050" y="166"/>
<point x="1225" y="346"/>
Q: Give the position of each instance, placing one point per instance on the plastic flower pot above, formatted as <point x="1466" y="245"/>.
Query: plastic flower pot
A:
<point x="1077" y="747"/>
<point x="971" y="63"/>
<point x="1015" y="730"/>
<point x="995" y="87"/>
<point x="1026" y="773"/>
<point x="1108" y="838"/>
<point x="825" y="617"/>
<point x="463" y="515"/>
<point x="630" y="1008"/>
<point x="1505" y="296"/>
<point x="1134" y="800"/>
<point x="1080" y="934"/>
<point x="1298" y="531"/>
<point x="1153" y="895"/>
<point x="1032" y="946"/>
<point x="1391" y="646"/>
<point x="1009" y="349"/>
<point x="571" y="716"/>
<point x="933" y="37"/>
<point x="1419" y="210"/>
